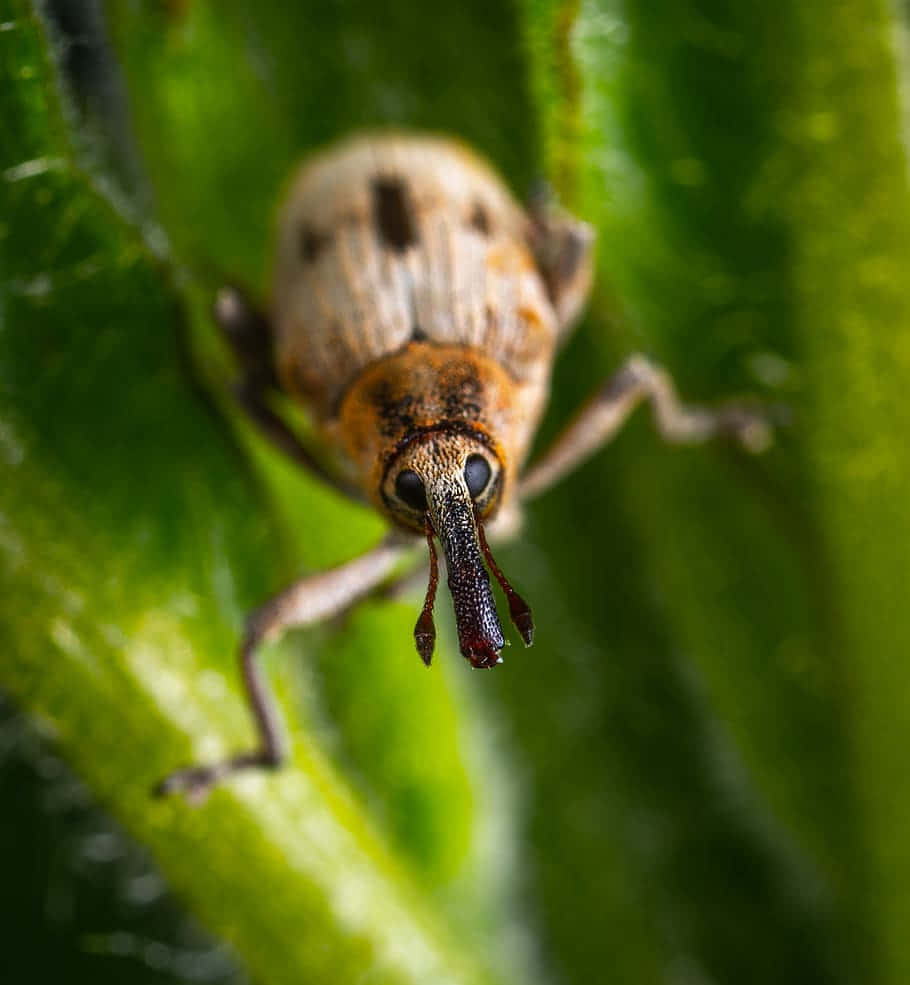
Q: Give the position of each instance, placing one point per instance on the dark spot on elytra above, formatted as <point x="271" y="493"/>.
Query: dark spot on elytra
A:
<point x="311" y="243"/>
<point x="418" y="334"/>
<point x="479" y="219"/>
<point x="393" y="215"/>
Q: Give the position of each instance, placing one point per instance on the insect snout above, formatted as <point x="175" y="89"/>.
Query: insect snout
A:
<point x="450" y="483"/>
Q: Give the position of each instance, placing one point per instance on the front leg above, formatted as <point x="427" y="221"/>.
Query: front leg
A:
<point x="307" y="601"/>
<point x="607" y="411"/>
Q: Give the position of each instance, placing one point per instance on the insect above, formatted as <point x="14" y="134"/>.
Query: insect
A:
<point x="416" y="313"/>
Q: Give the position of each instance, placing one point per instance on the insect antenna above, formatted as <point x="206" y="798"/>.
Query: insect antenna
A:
<point x="425" y="630"/>
<point x="519" y="610"/>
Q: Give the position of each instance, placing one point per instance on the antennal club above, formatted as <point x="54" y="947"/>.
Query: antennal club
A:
<point x="425" y="630"/>
<point x="519" y="610"/>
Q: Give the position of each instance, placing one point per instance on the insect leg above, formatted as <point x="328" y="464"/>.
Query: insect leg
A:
<point x="563" y="248"/>
<point x="249" y="333"/>
<point x="247" y="330"/>
<point x="606" y="412"/>
<point x="307" y="601"/>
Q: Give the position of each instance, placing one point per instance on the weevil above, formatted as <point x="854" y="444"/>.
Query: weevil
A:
<point x="416" y="312"/>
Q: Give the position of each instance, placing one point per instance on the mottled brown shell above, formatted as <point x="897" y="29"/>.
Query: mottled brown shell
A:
<point x="397" y="246"/>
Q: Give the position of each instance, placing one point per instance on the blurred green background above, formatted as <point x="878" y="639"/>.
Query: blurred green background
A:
<point x="697" y="774"/>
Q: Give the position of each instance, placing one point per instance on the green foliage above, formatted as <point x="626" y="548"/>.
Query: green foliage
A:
<point x="706" y="742"/>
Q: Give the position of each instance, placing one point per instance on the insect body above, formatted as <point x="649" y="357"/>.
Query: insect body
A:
<point x="416" y="313"/>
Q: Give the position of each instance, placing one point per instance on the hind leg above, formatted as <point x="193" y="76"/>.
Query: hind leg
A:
<point x="249" y="333"/>
<point x="563" y="247"/>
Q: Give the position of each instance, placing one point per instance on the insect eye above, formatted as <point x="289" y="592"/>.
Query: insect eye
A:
<point x="476" y="474"/>
<point x="409" y="489"/>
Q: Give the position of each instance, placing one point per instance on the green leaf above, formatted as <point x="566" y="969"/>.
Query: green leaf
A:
<point x="746" y="170"/>
<point x="135" y="536"/>
<point x="707" y="740"/>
